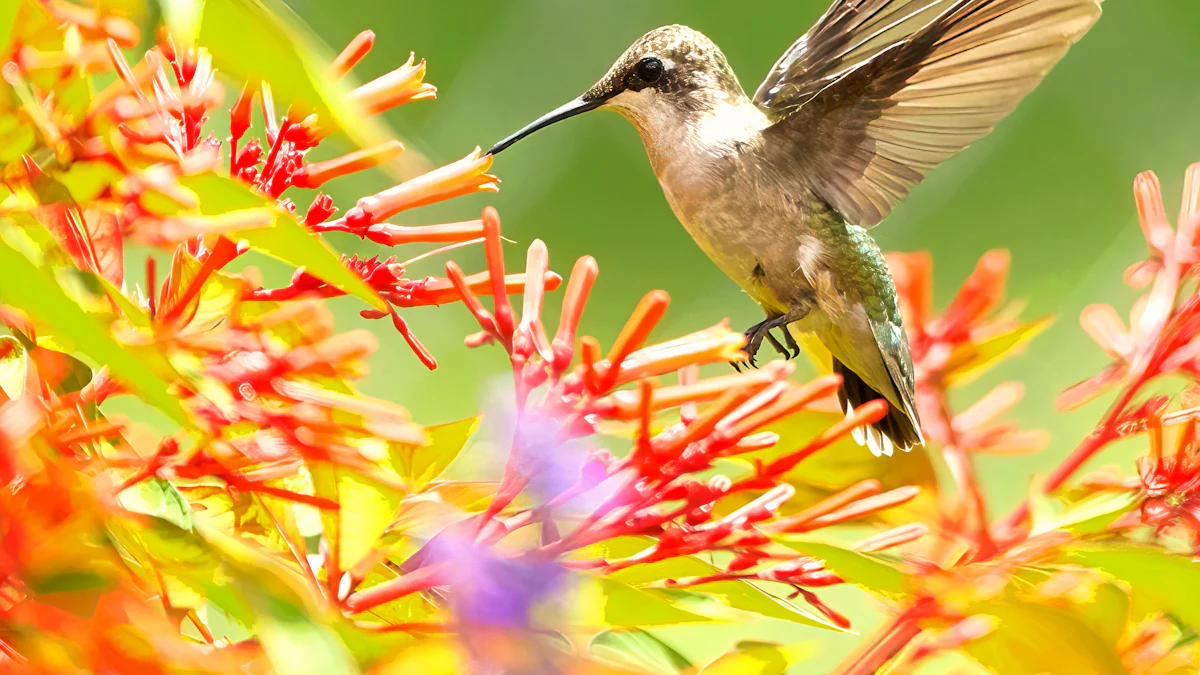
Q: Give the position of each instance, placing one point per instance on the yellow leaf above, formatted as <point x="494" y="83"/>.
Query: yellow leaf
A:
<point x="367" y="509"/>
<point x="603" y="601"/>
<point x="970" y="360"/>
<point x="420" y="464"/>
<point x="758" y="658"/>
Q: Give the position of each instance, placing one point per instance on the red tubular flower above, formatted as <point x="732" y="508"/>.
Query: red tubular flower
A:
<point x="531" y="334"/>
<point x="354" y="52"/>
<point x="955" y="348"/>
<point x="503" y="311"/>
<point x="240" y="114"/>
<point x="320" y="210"/>
<point x="583" y="275"/>
<point x="394" y="235"/>
<point x="1161" y="334"/>
<point x="316" y="174"/>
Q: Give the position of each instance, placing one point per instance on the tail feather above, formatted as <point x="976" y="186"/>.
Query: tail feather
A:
<point x="898" y="429"/>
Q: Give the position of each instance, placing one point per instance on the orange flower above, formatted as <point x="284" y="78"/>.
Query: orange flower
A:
<point x="398" y="87"/>
<point x="316" y="174"/>
<point x="463" y="177"/>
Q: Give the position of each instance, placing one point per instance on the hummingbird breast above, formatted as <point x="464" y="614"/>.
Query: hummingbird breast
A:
<point x="753" y="226"/>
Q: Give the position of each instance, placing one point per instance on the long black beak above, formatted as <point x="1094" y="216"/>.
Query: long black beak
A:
<point x="560" y="113"/>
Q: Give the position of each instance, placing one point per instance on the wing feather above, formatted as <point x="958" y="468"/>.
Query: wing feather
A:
<point x="879" y="92"/>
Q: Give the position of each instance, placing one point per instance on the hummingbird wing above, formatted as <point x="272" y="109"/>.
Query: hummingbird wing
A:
<point x="879" y="92"/>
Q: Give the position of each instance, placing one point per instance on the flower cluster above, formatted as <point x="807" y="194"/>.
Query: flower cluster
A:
<point x="148" y="130"/>
<point x="961" y="599"/>
<point x="1160" y="342"/>
<point x="191" y="483"/>
<point x="662" y="493"/>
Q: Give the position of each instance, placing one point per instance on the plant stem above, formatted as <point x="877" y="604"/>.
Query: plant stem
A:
<point x="418" y="580"/>
<point x="963" y="471"/>
<point x="1104" y="434"/>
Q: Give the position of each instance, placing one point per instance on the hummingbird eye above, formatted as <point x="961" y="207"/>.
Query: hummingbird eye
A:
<point x="649" y="70"/>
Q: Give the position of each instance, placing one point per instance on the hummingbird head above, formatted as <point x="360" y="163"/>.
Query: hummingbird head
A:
<point x="666" y="75"/>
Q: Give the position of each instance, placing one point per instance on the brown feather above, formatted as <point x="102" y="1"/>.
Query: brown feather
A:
<point x="880" y="92"/>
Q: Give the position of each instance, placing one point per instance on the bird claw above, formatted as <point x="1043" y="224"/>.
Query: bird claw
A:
<point x="762" y="330"/>
<point x="789" y="349"/>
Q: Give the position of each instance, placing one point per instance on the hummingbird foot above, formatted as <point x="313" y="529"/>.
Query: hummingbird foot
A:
<point x="789" y="349"/>
<point x="762" y="331"/>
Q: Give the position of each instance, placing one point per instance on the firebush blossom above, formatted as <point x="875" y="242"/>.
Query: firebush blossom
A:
<point x="948" y="350"/>
<point x="652" y="492"/>
<point x="275" y="519"/>
<point x="1160" y="341"/>
<point x="952" y="609"/>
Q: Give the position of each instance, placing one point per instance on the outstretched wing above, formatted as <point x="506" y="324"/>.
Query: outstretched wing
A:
<point x="879" y="92"/>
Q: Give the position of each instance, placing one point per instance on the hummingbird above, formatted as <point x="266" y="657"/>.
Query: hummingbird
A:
<point x="780" y="189"/>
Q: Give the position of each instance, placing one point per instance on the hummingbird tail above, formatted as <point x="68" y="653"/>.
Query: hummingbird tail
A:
<point x="898" y="429"/>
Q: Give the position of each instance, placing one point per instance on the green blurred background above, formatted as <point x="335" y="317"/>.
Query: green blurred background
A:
<point x="1051" y="184"/>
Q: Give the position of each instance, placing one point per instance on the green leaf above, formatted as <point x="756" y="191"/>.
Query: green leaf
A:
<point x="286" y="240"/>
<point x="866" y="571"/>
<point x="1093" y="513"/>
<point x="8" y="17"/>
<point x="1030" y="637"/>
<point x="757" y="658"/>
<point x="136" y="316"/>
<point x="733" y="599"/>
<point x="156" y="497"/>
<point x="742" y="601"/>
<point x="971" y="360"/>
<point x="24" y="286"/>
<point x="1106" y="612"/>
<point x="1158" y="580"/>
<point x="13" y="366"/>
<point x="296" y="629"/>
<point x="604" y="601"/>
<point x="16" y="138"/>
<point x="86" y="181"/>
<point x="421" y="464"/>
<point x="70" y="582"/>
<point x="174" y="560"/>
<point x="245" y="514"/>
<point x="295" y="641"/>
<point x="638" y="649"/>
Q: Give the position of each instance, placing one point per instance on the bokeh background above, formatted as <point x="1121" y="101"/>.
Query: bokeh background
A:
<point x="1051" y="184"/>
